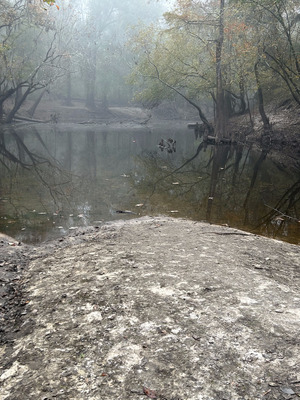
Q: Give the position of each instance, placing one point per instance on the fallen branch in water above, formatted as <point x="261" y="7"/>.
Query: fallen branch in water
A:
<point x="32" y="120"/>
<point x="282" y="214"/>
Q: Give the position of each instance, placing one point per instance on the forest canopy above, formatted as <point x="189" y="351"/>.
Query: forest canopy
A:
<point x="72" y="49"/>
<point x="225" y="52"/>
<point x="218" y="56"/>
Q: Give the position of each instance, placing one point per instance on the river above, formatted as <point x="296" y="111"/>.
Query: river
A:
<point x="70" y="175"/>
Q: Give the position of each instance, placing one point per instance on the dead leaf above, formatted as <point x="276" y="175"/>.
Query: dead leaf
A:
<point x="149" y="393"/>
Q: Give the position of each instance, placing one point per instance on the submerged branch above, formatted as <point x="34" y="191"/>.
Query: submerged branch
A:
<point x="200" y="147"/>
<point x="281" y="213"/>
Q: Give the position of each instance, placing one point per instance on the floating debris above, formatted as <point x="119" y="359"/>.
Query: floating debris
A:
<point x="125" y="212"/>
<point x="167" y="144"/>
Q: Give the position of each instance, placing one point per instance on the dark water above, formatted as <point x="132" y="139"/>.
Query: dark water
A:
<point x="85" y="175"/>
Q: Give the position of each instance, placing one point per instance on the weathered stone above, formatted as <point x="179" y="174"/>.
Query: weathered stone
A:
<point x="174" y="310"/>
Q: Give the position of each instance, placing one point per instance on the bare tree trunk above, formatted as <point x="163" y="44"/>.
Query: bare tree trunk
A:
<point x="249" y="111"/>
<point x="265" y="119"/>
<point x="19" y="94"/>
<point x="32" y="109"/>
<point x="90" y="92"/>
<point x="18" y="103"/>
<point x="3" y="97"/>
<point x="69" y="89"/>
<point x="91" y="80"/>
<point x="1" y="111"/>
<point x="220" y="130"/>
<point x="242" y="94"/>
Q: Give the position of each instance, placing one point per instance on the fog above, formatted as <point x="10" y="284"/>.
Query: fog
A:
<point x="72" y="50"/>
<point x="126" y="65"/>
<point x="119" y="53"/>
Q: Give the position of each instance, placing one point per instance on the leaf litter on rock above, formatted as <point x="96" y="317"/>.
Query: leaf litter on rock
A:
<point x="150" y="393"/>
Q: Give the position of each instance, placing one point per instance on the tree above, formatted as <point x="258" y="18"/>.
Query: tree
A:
<point x="26" y="66"/>
<point x="187" y="56"/>
<point x="172" y="61"/>
<point x="51" y="3"/>
<point x="102" y="56"/>
<point x="220" y="130"/>
<point x="228" y="50"/>
<point x="279" y="37"/>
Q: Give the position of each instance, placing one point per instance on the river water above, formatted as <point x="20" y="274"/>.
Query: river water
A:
<point x="76" y="175"/>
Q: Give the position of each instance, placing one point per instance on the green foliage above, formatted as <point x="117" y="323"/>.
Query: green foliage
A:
<point x="31" y="54"/>
<point x="274" y="30"/>
<point x="171" y="59"/>
<point x="180" y="55"/>
<point x="50" y="3"/>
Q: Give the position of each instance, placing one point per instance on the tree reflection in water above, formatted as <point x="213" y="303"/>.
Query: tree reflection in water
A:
<point x="70" y="176"/>
<point x="226" y="185"/>
<point x="285" y="213"/>
<point x="31" y="171"/>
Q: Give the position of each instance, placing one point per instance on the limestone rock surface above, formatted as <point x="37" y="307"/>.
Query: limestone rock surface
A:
<point x="157" y="308"/>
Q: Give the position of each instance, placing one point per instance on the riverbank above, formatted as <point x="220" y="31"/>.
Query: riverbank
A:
<point x="155" y="307"/>
<point x="283" y="145"/>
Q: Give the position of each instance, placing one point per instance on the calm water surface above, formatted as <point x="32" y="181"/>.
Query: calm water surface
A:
<point x="85" y="175"/>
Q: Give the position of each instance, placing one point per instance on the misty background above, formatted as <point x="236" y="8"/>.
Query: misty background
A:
<point x="96" y="98"/>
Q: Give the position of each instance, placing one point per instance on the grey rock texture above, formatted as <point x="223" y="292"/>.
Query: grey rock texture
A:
<point x="160" y="308"/>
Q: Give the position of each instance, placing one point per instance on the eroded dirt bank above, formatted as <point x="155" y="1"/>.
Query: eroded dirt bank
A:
<point x="160" y="308"/>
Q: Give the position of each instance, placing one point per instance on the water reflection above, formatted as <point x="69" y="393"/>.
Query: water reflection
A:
<point x="78" y="176"/>
<point x="229" y="185"/>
